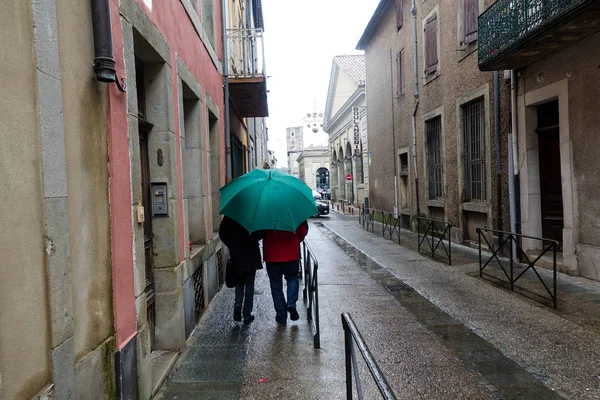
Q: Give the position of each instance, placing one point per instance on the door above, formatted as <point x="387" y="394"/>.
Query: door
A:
<point x="550" y="171"/>
<point x="148" y="235"/>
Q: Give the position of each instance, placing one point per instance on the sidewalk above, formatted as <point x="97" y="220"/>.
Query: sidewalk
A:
<point x="449" y="336"/>
<point x="562" y="347"/>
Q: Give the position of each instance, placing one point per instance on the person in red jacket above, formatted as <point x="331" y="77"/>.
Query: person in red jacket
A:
<point x="281" y="253"/>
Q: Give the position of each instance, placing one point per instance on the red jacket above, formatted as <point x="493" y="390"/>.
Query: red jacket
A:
<point x="282" y="246"/>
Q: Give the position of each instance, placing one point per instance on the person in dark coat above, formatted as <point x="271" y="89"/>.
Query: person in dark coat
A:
<point x="245" y="256"/>
<point x="281" y="252"/>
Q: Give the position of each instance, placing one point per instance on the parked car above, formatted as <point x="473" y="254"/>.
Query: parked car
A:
<point x="322" y="205"/>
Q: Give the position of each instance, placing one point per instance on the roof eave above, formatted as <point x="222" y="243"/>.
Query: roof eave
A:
<point x="372" y="25"/>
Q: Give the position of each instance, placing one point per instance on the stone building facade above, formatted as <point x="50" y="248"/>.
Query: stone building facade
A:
<point x="313" y="167"/>
<point x="295" y="143"/>
<point x="449" y="162"/>
<point x="345" y="120"/>
<point x="554" y="70"/>
<point x="113" y="161"/>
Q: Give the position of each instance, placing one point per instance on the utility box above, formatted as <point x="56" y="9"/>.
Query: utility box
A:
<point x="160" y="199"/>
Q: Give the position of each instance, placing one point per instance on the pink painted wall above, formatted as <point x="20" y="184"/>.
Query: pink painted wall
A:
<point x="174" y="24"/>
<point x="168" y="17"/>
<point x="120" y="198"/>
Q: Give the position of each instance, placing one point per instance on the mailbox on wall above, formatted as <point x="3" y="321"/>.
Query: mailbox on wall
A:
<point x="160" y="199"/>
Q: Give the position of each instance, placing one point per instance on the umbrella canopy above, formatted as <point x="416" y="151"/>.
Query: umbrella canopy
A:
<point x="266" y="199"/>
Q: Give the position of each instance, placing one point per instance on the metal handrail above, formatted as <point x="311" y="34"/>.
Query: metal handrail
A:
<point x="432" y="234"/>
<point x="310" y="292"/>
<point x="513" y="239"/>
<point x="351" y="335"/>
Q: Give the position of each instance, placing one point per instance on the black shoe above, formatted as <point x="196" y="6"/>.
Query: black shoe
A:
<point x="249" y="319"/>
<point x="281" y="321"/>
<point x="237" y="314"/>
<point x="293" y="313"/>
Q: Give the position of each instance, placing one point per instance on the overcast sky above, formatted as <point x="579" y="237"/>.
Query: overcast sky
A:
<point x="301" y="39"/>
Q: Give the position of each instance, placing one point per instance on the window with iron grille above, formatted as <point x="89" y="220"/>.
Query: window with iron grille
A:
<point x="474" y="163"/>
<point x="433" y="129"/>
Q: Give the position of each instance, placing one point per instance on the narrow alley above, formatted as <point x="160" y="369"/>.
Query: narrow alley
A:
<point x="448" y="334"/>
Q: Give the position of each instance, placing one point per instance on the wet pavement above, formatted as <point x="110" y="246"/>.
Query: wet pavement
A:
<point x="436" y="331"/>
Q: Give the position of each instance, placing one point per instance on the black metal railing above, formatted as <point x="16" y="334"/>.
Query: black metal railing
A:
<point x="513" y="241"/>
<point x="391" y="226"/>
<point x="352" y="335"/>
<point x="366" y="218"/>
<point x="310" y="293"/>
<point x="390" y="222"/>
<point x="434" y="232"/>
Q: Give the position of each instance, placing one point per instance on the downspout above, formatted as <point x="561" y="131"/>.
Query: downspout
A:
<point x="226" y="92"/>
<point x="513" y="169"/>
<point x="255" y="146"/>
<point x="498" y="164"/>
<point x="104" y="60"/>
<point x="394" y="136"/>
<point x="413" y="11"/>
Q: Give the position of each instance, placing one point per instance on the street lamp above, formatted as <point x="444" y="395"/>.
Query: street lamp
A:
<point x="314" y="121"/>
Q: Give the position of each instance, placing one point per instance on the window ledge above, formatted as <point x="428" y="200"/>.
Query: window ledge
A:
<point x="429" y="79"/>
<point x="436" y="203"/>
<point x="480" y="207"/>
<point x="467" y="50"/>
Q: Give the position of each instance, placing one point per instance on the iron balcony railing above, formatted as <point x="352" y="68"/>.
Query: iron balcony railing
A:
<point x="506" y="23"/>
<point x="246" y="53"/>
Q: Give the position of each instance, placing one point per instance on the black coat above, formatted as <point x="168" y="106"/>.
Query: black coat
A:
<point x="243" y="246"/>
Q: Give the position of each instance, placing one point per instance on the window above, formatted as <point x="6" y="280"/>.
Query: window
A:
<point x="470" y="13"/>
<point x="433" y="129"/>
<point x="400" y="70"/>
<point x="399" y="16"/>
<point x="431" y="50"/>
<point x="208" y="11"/>
<point x="474" y="167"/>
<point x="404" y="164"/>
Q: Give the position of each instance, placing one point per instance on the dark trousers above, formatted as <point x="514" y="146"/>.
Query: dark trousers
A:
<point x="244" y="294"/>
<point x="277" y="271"/>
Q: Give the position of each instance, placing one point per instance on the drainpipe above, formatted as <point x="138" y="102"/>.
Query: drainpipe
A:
<point x="255" y="146"/>
<point x="413" y="11"/>
<point x="226" y="93"/>
<point x="498" y="164"/>
<point x="104" y="60"/>
<point x="393" y="136"/>
<point x="513" y="169"/>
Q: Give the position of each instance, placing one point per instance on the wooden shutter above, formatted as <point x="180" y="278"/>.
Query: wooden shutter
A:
<point x="470" y="14"/>
<point x="400" y="75"/>
<point x="431" y="58"/>
<point x="399" y="15"/>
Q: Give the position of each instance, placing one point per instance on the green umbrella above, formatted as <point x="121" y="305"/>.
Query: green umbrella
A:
<point x="266" y="199"/>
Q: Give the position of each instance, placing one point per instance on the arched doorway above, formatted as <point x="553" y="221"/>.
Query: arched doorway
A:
<point x="323" y="182"/>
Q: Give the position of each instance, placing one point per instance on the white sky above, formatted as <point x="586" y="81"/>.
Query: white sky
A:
<point x="301" y="39"/>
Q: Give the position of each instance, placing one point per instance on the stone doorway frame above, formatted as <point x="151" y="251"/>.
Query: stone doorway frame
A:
<point x="528" y="164"/>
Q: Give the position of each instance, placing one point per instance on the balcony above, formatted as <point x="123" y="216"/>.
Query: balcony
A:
<point x="247" y="78"/>
<point x="514" y="33"/>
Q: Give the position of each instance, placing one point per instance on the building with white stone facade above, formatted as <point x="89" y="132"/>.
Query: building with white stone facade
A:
<point x="295" y="143"/>
<point x="313" y="166"/>
<point x="346" y="123"/>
